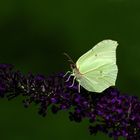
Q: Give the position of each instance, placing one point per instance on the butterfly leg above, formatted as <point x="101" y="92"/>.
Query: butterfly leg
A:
<point x="68" y="78"/>
<point x="79" y="87"/>
<point x="72" y="82"/>
<point x="66" y="73"/>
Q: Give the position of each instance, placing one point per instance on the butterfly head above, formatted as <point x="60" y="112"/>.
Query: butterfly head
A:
<point x="72" y="66"/>
<point x="75" y="70"/>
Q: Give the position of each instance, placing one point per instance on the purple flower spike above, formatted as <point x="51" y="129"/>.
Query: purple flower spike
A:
<point x="109" y="112"/>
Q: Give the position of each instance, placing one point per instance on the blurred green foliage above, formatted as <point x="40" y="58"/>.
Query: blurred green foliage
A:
<point x="33" y="36"/>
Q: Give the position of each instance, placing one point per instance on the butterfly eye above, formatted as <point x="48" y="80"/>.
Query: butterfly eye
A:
<point x="73" y="66"/>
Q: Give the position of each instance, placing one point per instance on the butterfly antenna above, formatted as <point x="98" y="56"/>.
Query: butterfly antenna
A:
<point x="69" y="58"/>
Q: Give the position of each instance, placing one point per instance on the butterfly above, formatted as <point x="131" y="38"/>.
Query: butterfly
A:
<point x="96" y="70"/>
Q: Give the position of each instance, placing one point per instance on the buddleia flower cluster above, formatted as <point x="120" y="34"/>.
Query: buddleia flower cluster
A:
<point x="111" y="112"/>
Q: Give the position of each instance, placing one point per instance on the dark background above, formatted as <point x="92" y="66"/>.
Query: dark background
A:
<point x="33" y="36"/>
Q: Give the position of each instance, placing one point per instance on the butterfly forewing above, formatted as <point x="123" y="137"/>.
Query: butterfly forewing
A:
<point x="102" y="53"/>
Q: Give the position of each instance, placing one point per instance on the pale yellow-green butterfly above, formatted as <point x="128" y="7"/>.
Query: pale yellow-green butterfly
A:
<point x="96" y="70"/>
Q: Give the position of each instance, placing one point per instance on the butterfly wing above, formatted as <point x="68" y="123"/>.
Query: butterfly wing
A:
<point x="98" y="66"/>
<point x="104" y="50"/>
